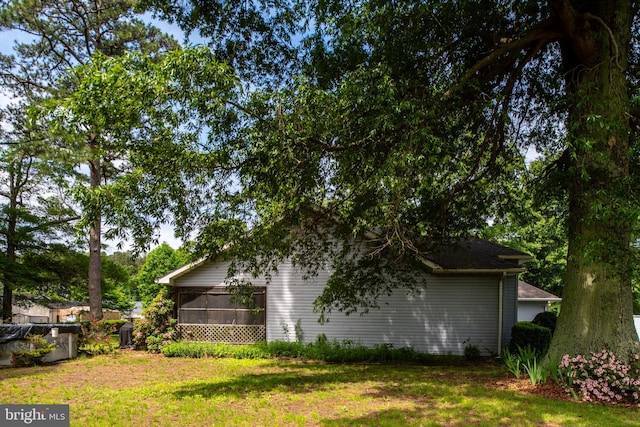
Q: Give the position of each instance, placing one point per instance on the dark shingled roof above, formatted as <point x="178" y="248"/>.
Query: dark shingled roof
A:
<point x="476" y="254"/>
<point x="530" y="292"/>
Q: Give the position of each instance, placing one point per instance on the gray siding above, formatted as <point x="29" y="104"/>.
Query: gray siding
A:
<point x="439" y="318"/>
<point x="509" y="308"/>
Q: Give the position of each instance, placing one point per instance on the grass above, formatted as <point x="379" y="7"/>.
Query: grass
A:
<point x="135" y="388"/>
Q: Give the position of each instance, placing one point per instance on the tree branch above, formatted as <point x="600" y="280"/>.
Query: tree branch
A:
<point x="538" y="37"/>
<point x="51" y="223"/>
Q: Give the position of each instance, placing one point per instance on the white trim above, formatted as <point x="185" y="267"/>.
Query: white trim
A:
<point x="500" y="308"/>
<point x="169" y="278"/>
<point x="522" y="259"/>
<point x="479" y="271"/>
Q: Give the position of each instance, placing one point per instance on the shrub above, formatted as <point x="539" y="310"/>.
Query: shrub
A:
<point x="95" y="331"/>
<point x="115" y="324"/>
<point x="95" y="337"/>
<point x="98" y="348"/>
<point x="471" y="352"/>
<point x="548" y="319"/>
<point x="333" y="351"/>
<point x="530" y="335"/>
<point x="209" y="349"/>
<point x="32" y="355"/>
<point x="600" y="377"/>
<point x="157" y="329"/>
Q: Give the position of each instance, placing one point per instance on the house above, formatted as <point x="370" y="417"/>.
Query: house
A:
<point x="39" y="309"/>
<point x="29" y="309"/>
<point x="533" y="300"/>
<point x="469" y="298"/>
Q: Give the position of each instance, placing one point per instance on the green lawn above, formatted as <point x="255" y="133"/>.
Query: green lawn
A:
<point x="138" y="389"/>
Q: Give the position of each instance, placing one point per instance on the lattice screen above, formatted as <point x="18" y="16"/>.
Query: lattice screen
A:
<point x="230" y="334"/>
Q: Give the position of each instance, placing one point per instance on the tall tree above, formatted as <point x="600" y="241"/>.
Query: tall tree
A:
<point x="59" y="36"/>
<point x="33" y="212"/>
<point x="408" y="115"/>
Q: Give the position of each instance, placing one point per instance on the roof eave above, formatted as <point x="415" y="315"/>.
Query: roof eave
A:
<point x="521" y="259"/>
<point x="169" y="278"/>
<point x="479" y="271"/>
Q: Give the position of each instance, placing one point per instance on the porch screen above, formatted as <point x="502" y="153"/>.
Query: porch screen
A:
<point x="215" y="306"/>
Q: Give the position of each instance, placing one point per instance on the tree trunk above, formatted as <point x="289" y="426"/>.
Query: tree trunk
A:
<point x="95" y="261"/>
<point x="597" y="310"/>
<point x="7" y="291"/>
<point x="11" y="256"/>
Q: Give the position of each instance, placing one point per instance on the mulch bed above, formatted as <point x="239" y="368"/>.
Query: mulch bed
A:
<point x="549" y="390"/>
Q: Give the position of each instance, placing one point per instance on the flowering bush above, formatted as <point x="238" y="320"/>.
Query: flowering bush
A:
<point x="95" y="337"/>
<point x="95" y="331"/>
<point x="600" y="377"/>
<point x="158" y="328"/>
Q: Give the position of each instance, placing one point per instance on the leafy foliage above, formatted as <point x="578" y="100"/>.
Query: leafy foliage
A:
<point x="95" y="337"/>
<point x="345" y="352"/>
<point x="96" y="331"/>
<point x="61" y="274"/>
<point x="530" y="335"/>
<point x="157" y="329"/>
<point x="33" y="353"/>
<point x="471" y="352"/>
<point x="548" y="319"/>
<point x="533" y="219"/>
<point x="412" y="120"/>
<point x="158" y="262"/>
<point x="58" y="37"/>
<point x="33" y="215"/>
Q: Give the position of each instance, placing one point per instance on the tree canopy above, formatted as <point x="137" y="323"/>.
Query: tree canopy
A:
<point x="408" y="122"/>
<point x="412" y="118"/>
<point x="56" y="37"/>
<point x="160" y="261"/>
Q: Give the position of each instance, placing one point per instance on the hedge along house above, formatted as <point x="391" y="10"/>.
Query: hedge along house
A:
<point x="469" y="298"/>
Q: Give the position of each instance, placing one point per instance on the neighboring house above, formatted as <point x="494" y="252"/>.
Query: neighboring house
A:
<point x="470" y="298"/>
<point x="636" y="322"/>
<point x="36" y="309"/>
<point x="25" y="310"/>
<point x="532" y="300"/>
<point x="68" y="311"/>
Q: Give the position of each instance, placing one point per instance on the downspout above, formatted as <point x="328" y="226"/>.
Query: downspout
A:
<point x="500" y="309"/>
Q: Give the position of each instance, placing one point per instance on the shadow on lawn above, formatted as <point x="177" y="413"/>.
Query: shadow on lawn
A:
<point x="429" y="395"/>
<point x="305" y="378"/>
<point x="8" y="372"/>
<point x="502" y="408"/>
<point x="299" y="379"/>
